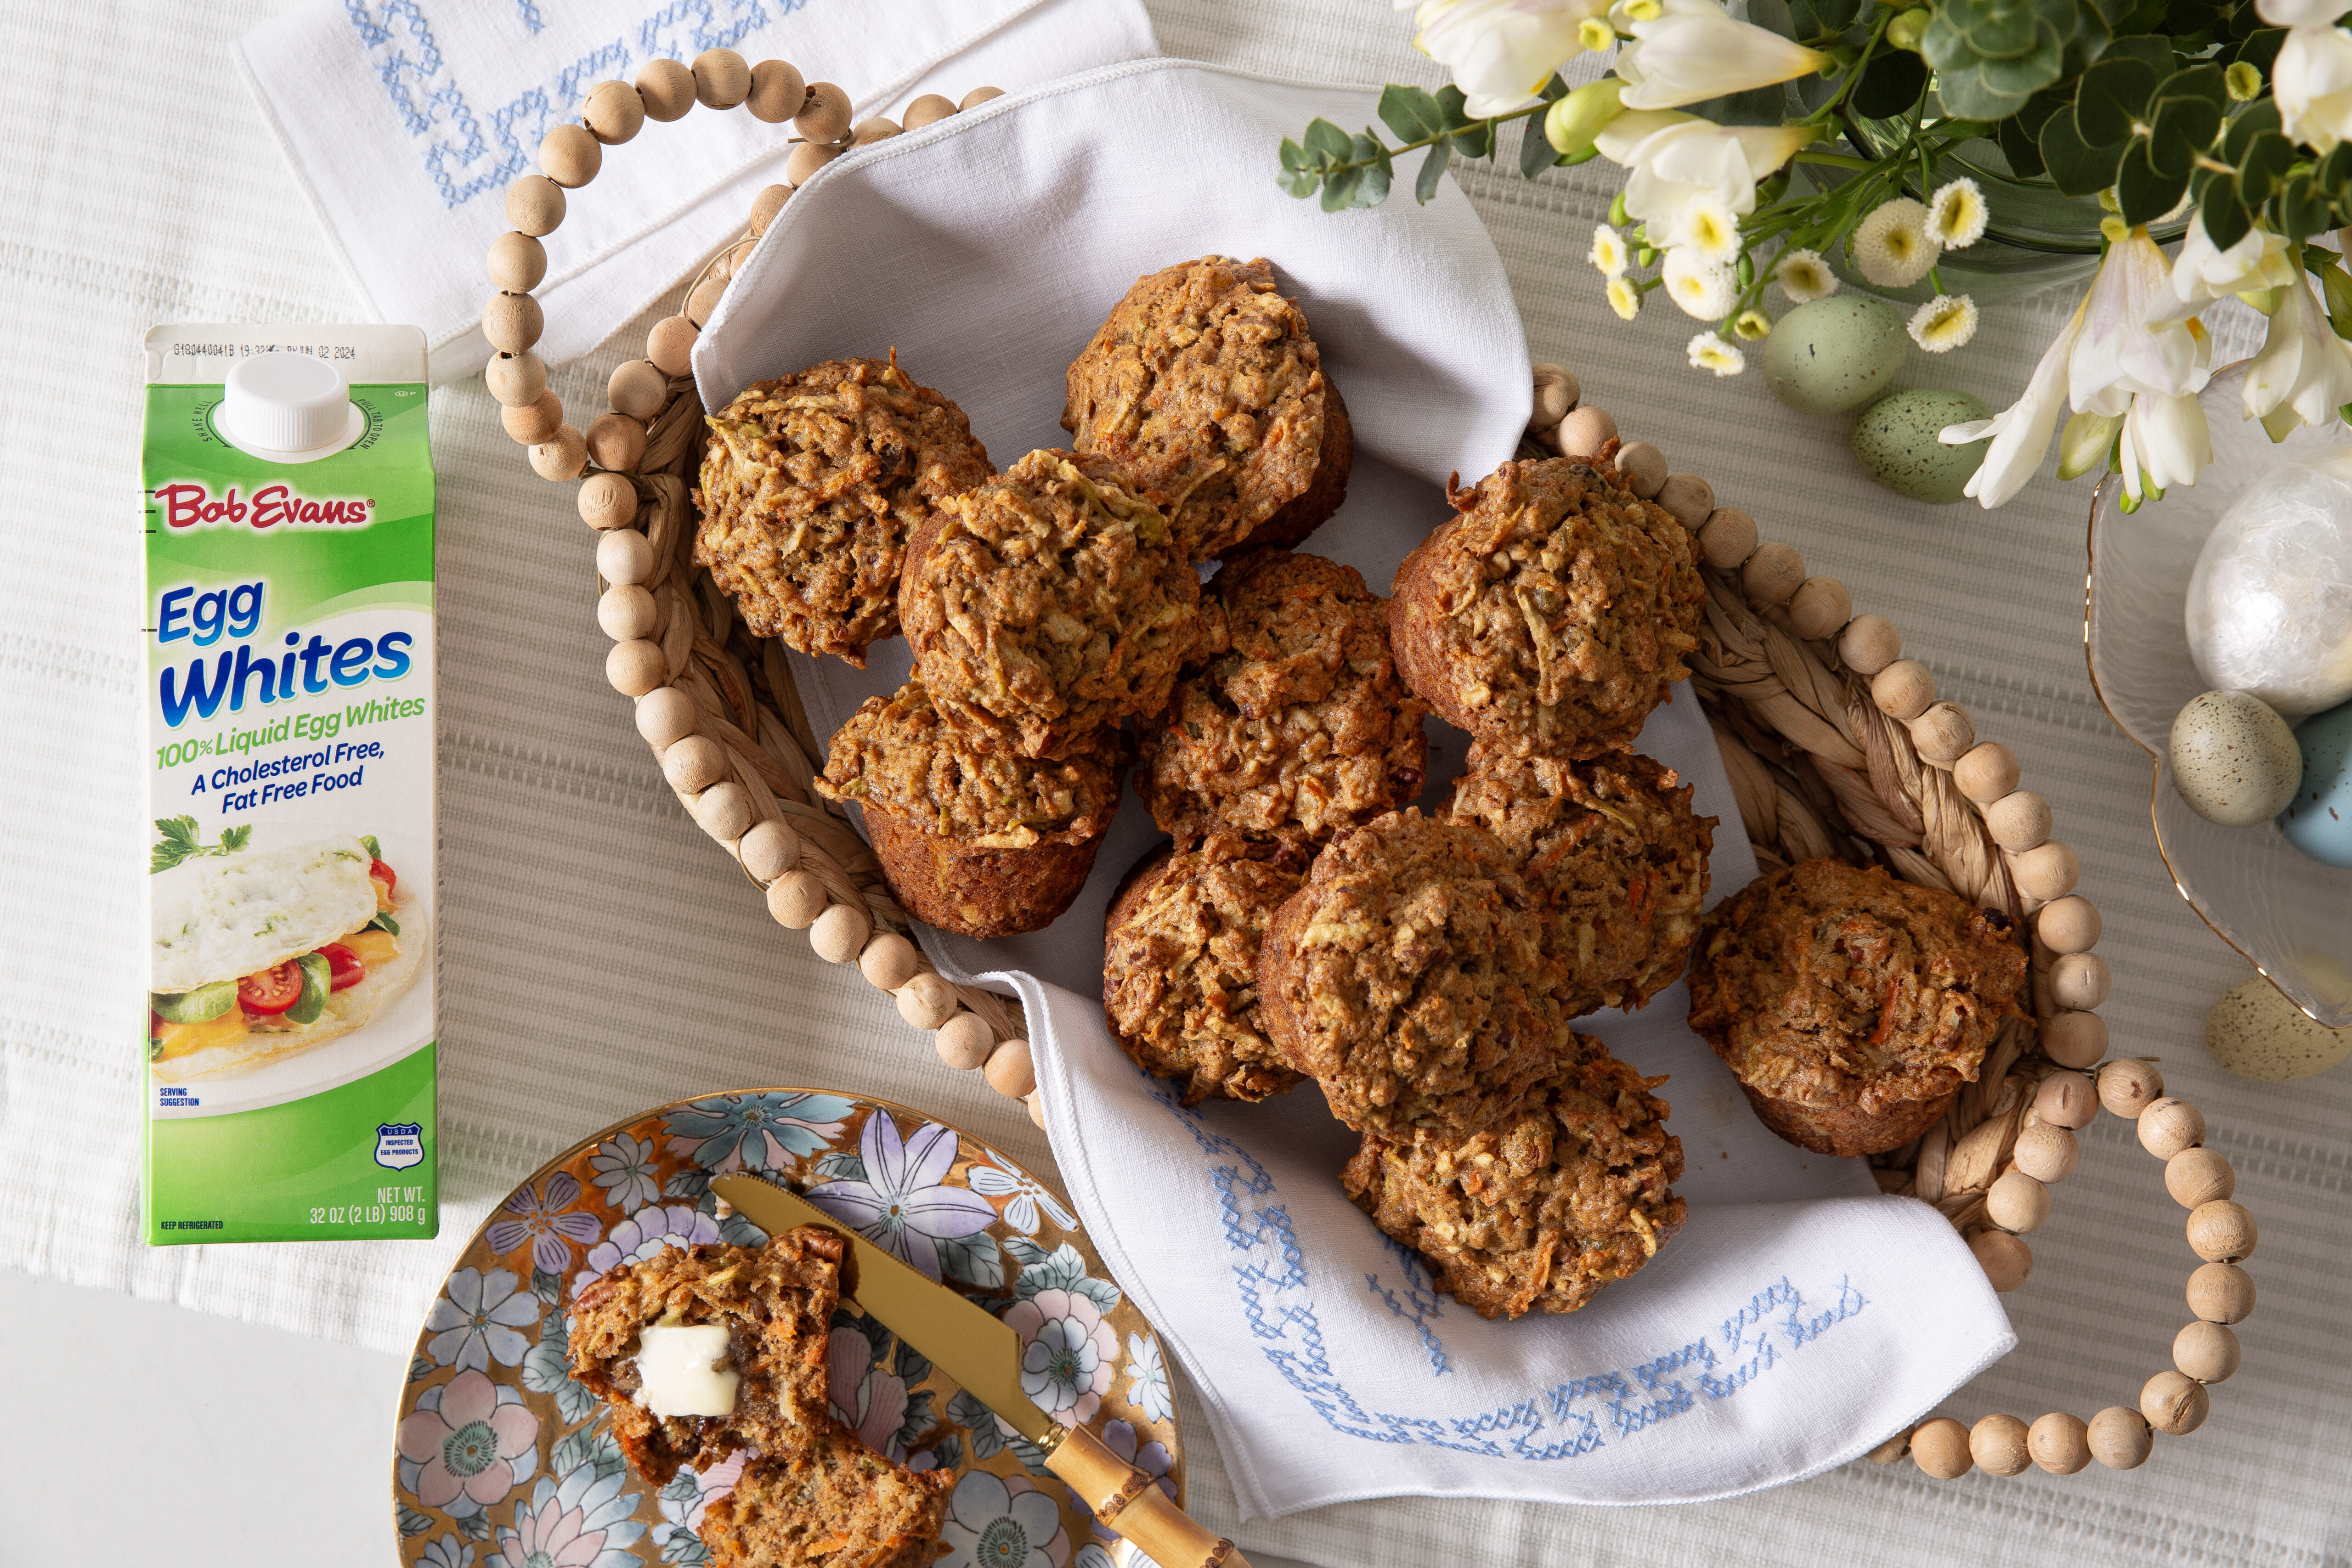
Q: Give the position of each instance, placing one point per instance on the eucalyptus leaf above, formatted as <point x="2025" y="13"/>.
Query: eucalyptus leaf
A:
<point x="2301" y="209"/>
<point x="2017" y="146"/>
<point x="1535" y="152"/>
<point x="2183" y="128"/>
<point x="1372" y="183"/>
<point x="1433" y="168"/>
<point x="1326" y="143"/>
<point x="2076" y="168"/>
<point x="2204" y="80"/>
<point x="1890" y="84"/>
<point x="2223" y="213"/>
<point x="2145" y="193"/>
<point x="2260" y="48"/>
<point x="2156" y="54"/>
<point x="2267" y="159"/>
<point x="2111" y="96"/>
<point x="2335" y="172"/>
<point x="1410" y="112"/>
<point x="2259" y="116"/>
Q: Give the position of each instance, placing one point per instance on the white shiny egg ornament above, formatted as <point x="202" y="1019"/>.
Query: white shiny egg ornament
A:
<point x="2270" y="604"/>
<point x="2318" y="820"/>
<point x="2234" y="760"/>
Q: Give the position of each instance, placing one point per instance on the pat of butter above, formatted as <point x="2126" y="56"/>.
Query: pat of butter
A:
<point x="680" y="1371"/>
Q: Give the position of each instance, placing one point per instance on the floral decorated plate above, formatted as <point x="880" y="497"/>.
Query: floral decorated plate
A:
<point x="500" y="1460"/>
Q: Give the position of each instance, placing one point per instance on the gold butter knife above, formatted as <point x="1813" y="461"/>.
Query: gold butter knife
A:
<point x="983" y="1354"/>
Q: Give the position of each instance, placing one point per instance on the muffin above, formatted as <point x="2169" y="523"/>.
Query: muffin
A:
<point x="974" y="837"/>
<point x="1047" y="603"/>
<point x="1205" y="386"/>
<point x="1408" y="978"/>
<point x="828" y="1501"/>
<point x="1292" y="715"/>
<point x="1852" y="1006"/>
<point x="1619" y="859"/>
<point x="811" y="487"/>
<point x="1539" y="1211"/>
<point x="1552" y="614"/>
<point x="1180" y="964"/>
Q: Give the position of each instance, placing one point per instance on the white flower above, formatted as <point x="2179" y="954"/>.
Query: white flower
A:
<point x="1753" y="325"/>
<point x="1804" y="277"/>
<point x="1956" y="215"/>
<point x="2020" y="432"/>
<point x="1892" y="246"/>
<point x="996" y="1176"/>
<point x="1694" y="51"/>
<point x="2303" y="370"/>
<point x="1702" y="288"/>
<point x="1608" y="252"/>
<point x="1501" y="52"/>
<point x="994" y="1523"/>
<point x="2299" y="13"/>
<point x="2311" y="81"/>
<point x="1149" y="1392"/>
<point x="2203" y="272"/>
<point x="2166" y="443"/>
<point x="1709" y="228"/>
<point x="1674" y="162"/>
<point x="1710" y="352"/>
<point x="1944" y="323"/>
<point x="2121" y="355"/>
<point x="1624" y="298"/>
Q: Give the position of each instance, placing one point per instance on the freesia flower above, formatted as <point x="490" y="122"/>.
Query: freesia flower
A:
<point x="1804" y="277"/>
<point x="2311" y="82"/>
<point x="2166" y="443"/>
<point x="1573" y="124"/>
<point x="1501" y="52"/>
<point x="2299" y="13"/>
<point x="2203" y="272"/>
<point x="1624" y="298"/>
<point x="1956" y="214"/>
<point x="2020" y="432"/>
<point x="1674" y="160"/>
<point x="1694" y="51"/>
<point x="1608" y="253"/>
<point x="1704" y="289"/>
<point x="2303" y="374"/>
<point x="1710" y="352"/>
<point x="1944" y="323"/>
<point x="1892" y="246"/>
<point x="2122" y="355"/>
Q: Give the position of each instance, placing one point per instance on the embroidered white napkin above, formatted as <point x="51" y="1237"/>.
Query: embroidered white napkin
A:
<point x="1799" y="1317"/>
<point x="406" y="120"/>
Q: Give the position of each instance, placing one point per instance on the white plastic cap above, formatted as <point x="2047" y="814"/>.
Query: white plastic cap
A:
<point x="286" y="405"/>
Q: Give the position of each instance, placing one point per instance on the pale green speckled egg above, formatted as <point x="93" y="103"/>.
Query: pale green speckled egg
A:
<point x="1834" y="353"/>
<point x="2255" y="1032"/>
<point x="1895" y="439"/>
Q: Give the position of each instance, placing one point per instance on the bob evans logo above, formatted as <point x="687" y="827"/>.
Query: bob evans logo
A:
<point x="188" y="506"/>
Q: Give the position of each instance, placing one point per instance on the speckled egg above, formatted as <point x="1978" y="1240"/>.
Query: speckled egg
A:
<point x="1834" y="353"/>
<point x="2234" y="760"/>
<point x="1895" y="441"/>
<point x="2255" y="1032"/>
<point x="2318" y="820"/>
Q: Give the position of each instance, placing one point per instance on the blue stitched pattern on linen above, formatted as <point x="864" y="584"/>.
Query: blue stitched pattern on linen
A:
<point x="1422" y="1300"/>
<point x="531" y="16"/>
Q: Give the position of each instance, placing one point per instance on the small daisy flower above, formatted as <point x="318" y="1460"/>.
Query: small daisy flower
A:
<point x="1608" y="253"/>
<point x="1624" y="298"/>
<point x="1702" y="288"/>
<point x="1710" y="352"/>
<point x="1710" y="228"/>
<point x="1804" y="277"/>
<point x="1944" y="323"/>
<point x="1892" y="246"/>
<point x="1753" y="325"/>
<point x="1956" y="215"/>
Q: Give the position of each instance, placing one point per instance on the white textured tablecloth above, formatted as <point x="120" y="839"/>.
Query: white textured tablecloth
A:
<point x="597" y="963"/>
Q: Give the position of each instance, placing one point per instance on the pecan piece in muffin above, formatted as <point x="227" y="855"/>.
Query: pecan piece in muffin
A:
<point x="811" y="487"/>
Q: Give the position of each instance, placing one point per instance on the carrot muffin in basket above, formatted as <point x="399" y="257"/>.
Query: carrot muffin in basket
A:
<point x="1048" y="602"/>
<point x="973" y="836"/>
<point x="1552" y="614"/>
<point x="1539" y="1211"/>
<point x="1408" y="978"/>
<point x="1179" y="963"/>
<point x="1293" y="716"/>
<point x="1613" y="848"/>
<point x="811" y="487"/>
<point x="1851" y="1006"/>
<point x="1205" y="386"/>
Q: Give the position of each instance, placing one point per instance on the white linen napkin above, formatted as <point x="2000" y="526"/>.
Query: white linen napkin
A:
<point x="1800" y="1318"/>
<point x="406" y="120"/>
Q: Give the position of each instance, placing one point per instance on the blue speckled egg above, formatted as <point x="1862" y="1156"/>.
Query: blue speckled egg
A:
<point x="1826" y="356"/>
<point x="2318" y="820"/>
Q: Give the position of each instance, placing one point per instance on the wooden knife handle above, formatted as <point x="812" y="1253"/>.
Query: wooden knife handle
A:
<point x="1125" y="1498"/>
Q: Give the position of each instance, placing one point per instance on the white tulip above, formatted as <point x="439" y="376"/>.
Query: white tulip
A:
<point x="2304" y="369"/>
<point x="1501" y="52"/>
<point x="2203" y="272"/>
<point x="2021" y="432"/>
<point x="1694" y="51"/>
<point x="2311" y="81"/>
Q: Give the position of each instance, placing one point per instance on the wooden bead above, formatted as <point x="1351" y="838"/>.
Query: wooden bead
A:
<point x="2018" y="1203"/>
<point x="2060" y="1443"/>
<point x="2047" y="872"/>
<point x="1820" y="606"/>
<point x="2174" y="1403"/>
<point x="2069" y="924"/>
<point x="626" y="612"/>
<point x="516" y="262"/>
<point x="1008" y="1069"/>
<point x="1726" y="539"/>
<point x="665" y="717"/>
<point x="1641" y="466"/>
<point x="694" y="763"/>
<point x="979" y="96"/>
<point x="2066" y="1100"/>
<point x="1904" y="690"/>
<point x="535" y="205"/>
<point x="769" y="850"/>
<point x="625" y="557"/>
<point x="1773" y="574"/>
<point x="2019" y="821"/>
<point x="512" y="322"/>
<point x="636" y="668"/>
<point x="767" y="204"/>
<point x="638" y="389"/>
<point x="2167" y="1126"/>
<point x="2128" y="1086"/>
<point x="2206" y="1351"/>
<point x="777" y="92"/>
<point x="2198" y="1176"/>
<point x="670" y="346"/>
<point x="569" y="155"/>
<point x="1036" y="1103"/>
<point x="839" y="933"/>
<point x="927" y="1001"/>
<point x="617" y="442"/>
<point x="534" y="422"/>
<point x="607" y="500"/>
<point x="2222" y="1231"/>
<point x="721" y="78"/>
<point x="2221" y="1293"/>
<point x="667" y="90"/>
<point x="889" y="962"/>
<point x="2007" y="1261"/>
<point x="613" y="112"/>
<point x="1943" y="734"/>
<point x="2079" y="981"/>
<point x="1998" y="1445"/>
<point x="928" y="110"/>
<point x="965" y="1041"/>
<point x="561" y="456"/>
<point x="702" y="301"/>
<point x="724" y="810"/>
<point x="2119" y="1439"/>
<point x="1584" y="432"/>
<point x="1898" y="1446"/>
<point x="1940" y="1448"/>
<point x="1869" y="643"/>
<point x="805" y="159"/>
<point x="2047" y="1152"/>
<point x="2074" y="1040"/>
<point x="825" y="117"/>
<point x="1987" y="773"/>
<point x="795" y="899"/>
<point x="868" y="131"/>
<point x="516" y="380"/>
<point x="1556" y="392"/>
